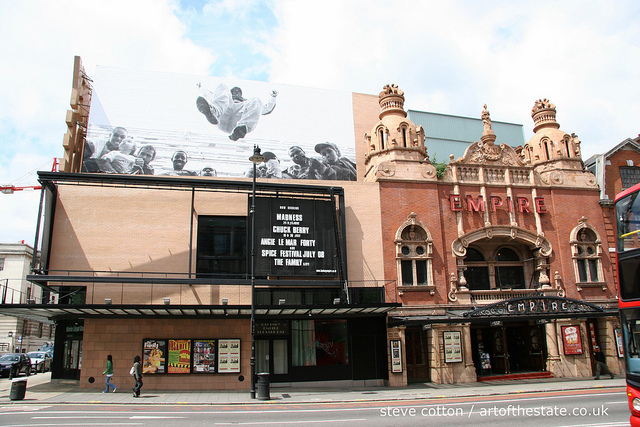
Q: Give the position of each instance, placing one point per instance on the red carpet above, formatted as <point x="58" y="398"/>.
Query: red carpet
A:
<point x="521" y="376"/>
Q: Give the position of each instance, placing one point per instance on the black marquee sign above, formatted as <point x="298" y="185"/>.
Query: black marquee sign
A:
<point x="532" y="306"/>
<point x="295" y="237"/>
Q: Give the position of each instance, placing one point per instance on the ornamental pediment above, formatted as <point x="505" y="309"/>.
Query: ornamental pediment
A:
<point x="488" y="153"/>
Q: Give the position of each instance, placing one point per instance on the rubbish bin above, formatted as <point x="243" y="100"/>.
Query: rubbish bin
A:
<point x="263" y="386"/>
<point x="18" y="388"/>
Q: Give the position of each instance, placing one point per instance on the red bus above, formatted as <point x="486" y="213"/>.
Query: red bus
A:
<point x="627" y="211"/>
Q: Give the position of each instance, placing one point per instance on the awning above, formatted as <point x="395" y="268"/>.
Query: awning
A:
<point x="49" y="313"/>
<point x="538" y="308"/>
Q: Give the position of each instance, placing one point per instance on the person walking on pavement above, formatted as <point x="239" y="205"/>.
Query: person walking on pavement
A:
<point x="136" y="371"/>
<point x="601" y="364"/>
<point x="109" y="373"/>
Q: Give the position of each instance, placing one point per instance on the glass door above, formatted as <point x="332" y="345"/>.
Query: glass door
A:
<point x="272" y="356"/>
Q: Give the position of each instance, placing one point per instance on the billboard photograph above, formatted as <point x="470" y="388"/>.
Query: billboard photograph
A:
<point x="153" y="123"/>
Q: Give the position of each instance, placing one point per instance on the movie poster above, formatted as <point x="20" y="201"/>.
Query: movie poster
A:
<point x="153" y="123"/>
<point x="572" y="340"/>
<point x="204" y="357"/>
<point x="154" y="356"/>
<point x="228" y="356"/>
<point x="179" y="357"/>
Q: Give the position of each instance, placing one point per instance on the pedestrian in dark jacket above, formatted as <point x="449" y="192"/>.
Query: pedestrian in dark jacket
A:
<point x="601" y="364"/>
<point x="137" y="375"/>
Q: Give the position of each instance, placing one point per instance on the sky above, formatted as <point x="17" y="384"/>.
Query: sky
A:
<point x="449" y="57"/>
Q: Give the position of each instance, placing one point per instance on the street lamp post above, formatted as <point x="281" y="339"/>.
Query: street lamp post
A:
<point x="256" y="159"/>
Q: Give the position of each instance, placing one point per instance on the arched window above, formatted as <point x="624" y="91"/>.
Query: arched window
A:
<point x="586" y="249"/>
<point x="509" y="270"/>
<point x="546" y="149"/>
<point x="414" y="254"/>
<point x="477" y="272"/>
<point x="403" y="130"/>
<point x="503" y="270"/>
<point x="381" y="139"/>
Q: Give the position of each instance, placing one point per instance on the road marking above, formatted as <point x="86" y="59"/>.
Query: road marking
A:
<point x="101" y="417"/>
<point x="23" y="408"/>
<point x="81" y="424"/>
<point x="291" y="422"/>
<point x="153" y="417"/>
<point x="620" y="423"/>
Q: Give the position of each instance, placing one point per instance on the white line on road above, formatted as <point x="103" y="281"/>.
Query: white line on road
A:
<point x="262" y="423"/>
<point x="626" y="423"/>
<point x="81" y="424"/>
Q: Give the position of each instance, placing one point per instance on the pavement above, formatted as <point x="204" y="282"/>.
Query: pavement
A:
<point x="42" y="390"/>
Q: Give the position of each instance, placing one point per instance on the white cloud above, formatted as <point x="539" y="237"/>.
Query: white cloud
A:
<point x="452" y="57"/>
<point x="448" y="57"/>
<point x="40" y="40"/>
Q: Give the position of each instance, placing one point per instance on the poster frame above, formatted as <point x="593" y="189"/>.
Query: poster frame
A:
<point x="396" y="356"/>
<point x="571" y="348"/>
<point x="452" y="340"/>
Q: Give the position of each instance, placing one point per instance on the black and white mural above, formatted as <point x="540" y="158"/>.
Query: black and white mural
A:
<point x="153" y="123"/>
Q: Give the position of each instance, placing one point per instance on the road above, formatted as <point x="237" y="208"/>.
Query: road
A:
<point x="598" y="407"/>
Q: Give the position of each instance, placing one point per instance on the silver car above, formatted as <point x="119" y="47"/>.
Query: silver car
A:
<point x="40" y="361"/>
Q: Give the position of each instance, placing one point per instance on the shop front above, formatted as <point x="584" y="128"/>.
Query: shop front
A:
<point x="537" y="336"/>
<point x="508" y="348"/>
<point x="321" y="349"/>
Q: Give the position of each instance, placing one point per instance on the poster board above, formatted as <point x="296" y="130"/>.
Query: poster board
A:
<point x="154" y="356"/>
<point x="204" y="356"/>
<point x="228" y="356"/>
<point x="190" y="356"/>
<point x="396" y="356"/>
<point x="619" y="342"/>
<point x="295" y="237"/>
<point x="572" y="340"/>
<point x="452" y="346"/>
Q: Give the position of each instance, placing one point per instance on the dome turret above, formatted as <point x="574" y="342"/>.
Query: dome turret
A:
<point x="395" y="146"/>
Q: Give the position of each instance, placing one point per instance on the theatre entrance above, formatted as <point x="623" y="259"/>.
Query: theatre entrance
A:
<point x="508" y="348"/>
<point x="417" y="355"/>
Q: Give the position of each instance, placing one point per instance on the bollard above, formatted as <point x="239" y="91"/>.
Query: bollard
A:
<point x="263" y="386"/>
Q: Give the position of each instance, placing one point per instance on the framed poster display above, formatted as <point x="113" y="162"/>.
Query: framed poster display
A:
<point x="179" y="355"/>
<point x="396" y="356"/>
<point x="154" y="356"/>
<point x="452" y="346"/>
<point x="204" y="357"/>
<point x="572" y="340"/>
<point x="619" y="342"/>
<point x="228" y="356"/>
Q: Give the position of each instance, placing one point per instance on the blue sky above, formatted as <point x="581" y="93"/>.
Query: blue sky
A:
<point x="449" y="57"/>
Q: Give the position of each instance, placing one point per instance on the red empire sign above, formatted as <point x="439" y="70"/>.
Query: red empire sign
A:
<point x="458" y="203"/>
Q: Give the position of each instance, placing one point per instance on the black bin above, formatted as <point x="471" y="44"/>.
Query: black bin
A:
<point x="18" y="389"/>
<point x="263" y="386"/>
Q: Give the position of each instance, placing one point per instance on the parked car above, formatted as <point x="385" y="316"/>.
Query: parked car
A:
<point x="11" y="364"/>
<point x="40" y="361"/>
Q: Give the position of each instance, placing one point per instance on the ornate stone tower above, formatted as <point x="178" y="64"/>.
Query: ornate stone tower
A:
<point x="554" y="154"/>
<point x="395" y="147"/>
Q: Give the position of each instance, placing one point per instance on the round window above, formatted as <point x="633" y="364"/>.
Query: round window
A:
<point x="406" y="250"/>
<point x="420" y="250"/>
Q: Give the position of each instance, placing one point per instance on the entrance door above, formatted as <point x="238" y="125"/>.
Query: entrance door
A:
<point x="272" y="356"/>
<point x="72" y="359"/>
<point x="417" y="355"/>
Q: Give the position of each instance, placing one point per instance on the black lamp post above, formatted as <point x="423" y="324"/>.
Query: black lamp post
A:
<point x="256" y="159"/>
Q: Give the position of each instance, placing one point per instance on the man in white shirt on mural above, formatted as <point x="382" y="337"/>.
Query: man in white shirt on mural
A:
<point x="232" y="113"/>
